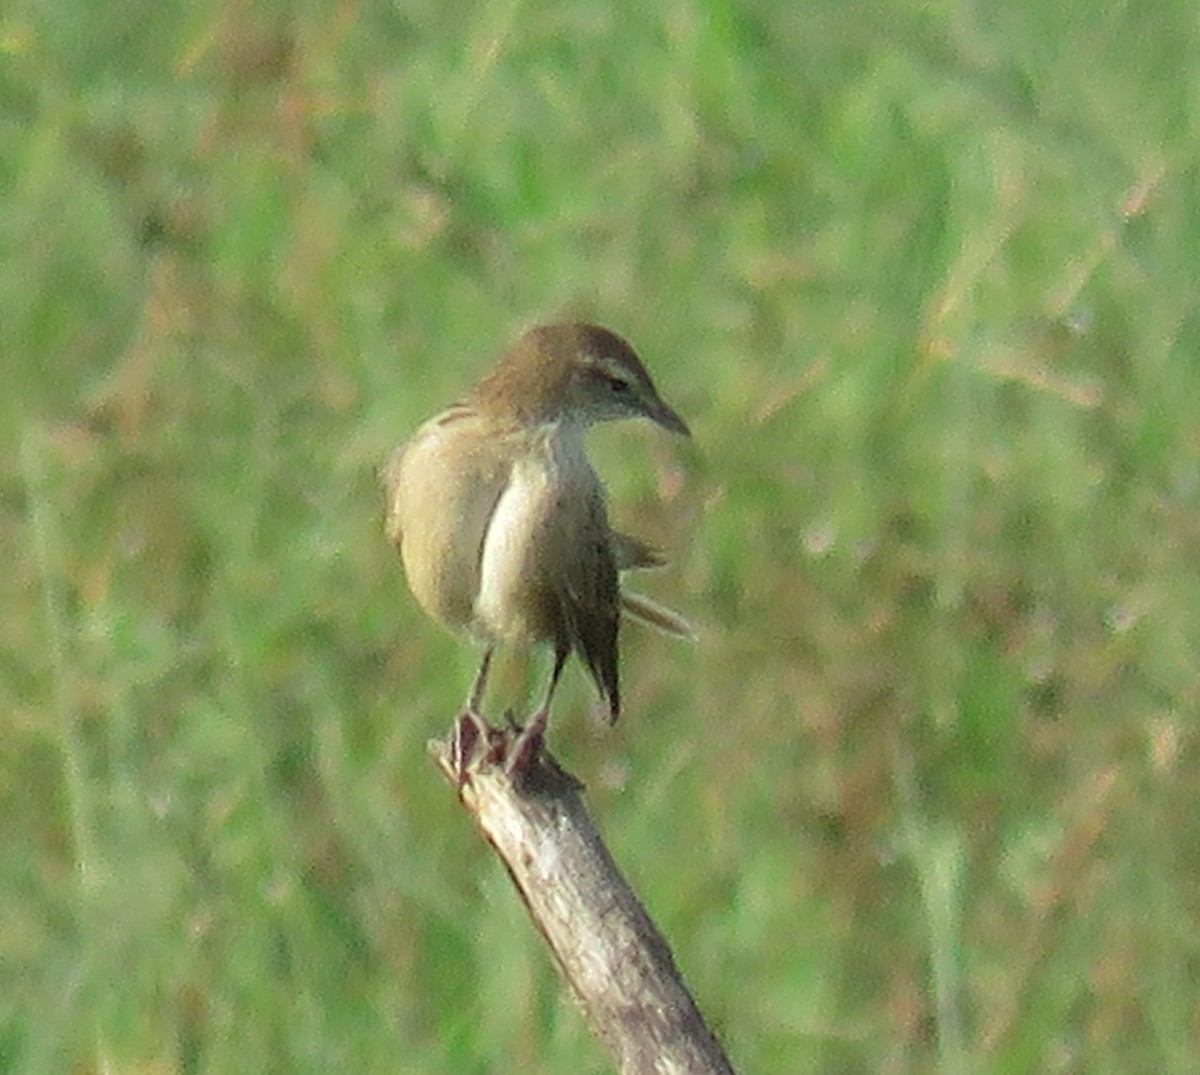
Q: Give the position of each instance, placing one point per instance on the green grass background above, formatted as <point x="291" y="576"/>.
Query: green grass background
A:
<point x="922" y="277"/>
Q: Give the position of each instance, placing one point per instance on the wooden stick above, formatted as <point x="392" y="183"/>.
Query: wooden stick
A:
<point x="606" y="947"/>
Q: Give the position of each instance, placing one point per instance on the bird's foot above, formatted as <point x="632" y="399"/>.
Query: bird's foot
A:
<point x="476" y="744"/>
<point x="526" y="748"/>
<point x="470" y="732"/>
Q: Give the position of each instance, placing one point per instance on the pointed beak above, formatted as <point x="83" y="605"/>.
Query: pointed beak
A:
<point x="659" y="412"/>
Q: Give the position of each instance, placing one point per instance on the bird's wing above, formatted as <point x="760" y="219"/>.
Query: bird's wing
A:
<point x="442" y="488"/>
<point x="431" y="446"/>
<point x="589" y="595"/>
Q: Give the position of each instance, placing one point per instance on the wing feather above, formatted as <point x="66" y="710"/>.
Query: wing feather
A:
<point x="589" y="596"/>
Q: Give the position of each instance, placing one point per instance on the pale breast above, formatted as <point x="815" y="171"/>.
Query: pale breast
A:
<point x="510" y="603"/>
<point x="534" y="537"/>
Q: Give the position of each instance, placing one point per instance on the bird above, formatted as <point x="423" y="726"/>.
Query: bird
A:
<point x="501" y="521"/>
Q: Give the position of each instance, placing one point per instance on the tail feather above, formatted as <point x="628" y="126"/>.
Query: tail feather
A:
<point x="650" y="613"/>
<point x="630" y="552"/>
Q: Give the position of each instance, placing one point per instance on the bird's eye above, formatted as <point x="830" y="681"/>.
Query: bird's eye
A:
<point x="618" y="385"/>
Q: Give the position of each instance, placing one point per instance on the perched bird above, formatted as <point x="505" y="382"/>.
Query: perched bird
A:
<point x="500" y="519"/>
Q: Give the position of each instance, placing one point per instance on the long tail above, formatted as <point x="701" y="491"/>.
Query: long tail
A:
<point x="650" y="613"/>
<point x="630" y="552"/>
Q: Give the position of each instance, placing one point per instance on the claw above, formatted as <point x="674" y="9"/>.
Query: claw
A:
<point x="526" y="748"/>
<point x="469" y="729"/>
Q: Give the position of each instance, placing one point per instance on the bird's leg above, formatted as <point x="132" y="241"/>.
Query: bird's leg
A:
<point x="528" y="744"/>
<point x="475" y="699"/>
<point x="470" y="726"/>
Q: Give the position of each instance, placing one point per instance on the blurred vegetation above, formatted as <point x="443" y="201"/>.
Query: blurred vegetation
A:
<point x="923" y="280"/>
